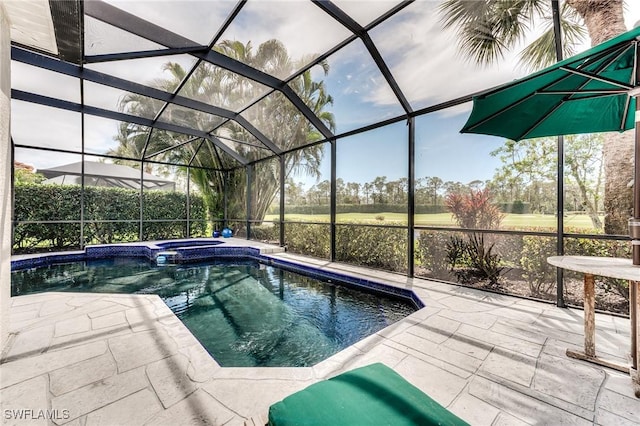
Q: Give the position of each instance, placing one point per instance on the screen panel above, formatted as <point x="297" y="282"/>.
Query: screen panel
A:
<point x="504" y="185"/>
<point x="45" y="127"/>
<point x="101" y="38"/>
<point x="44" y="82"/>
<point x="429" y="67"/>
<point x="377" y="193"/>
<point x="307" y="188"/>
<point x="195" y="20"/>
<point x="284" y="36"/>
<point x="350" y="87"/>
<point x="280" y="121"/>
<point x="221" y="88"/>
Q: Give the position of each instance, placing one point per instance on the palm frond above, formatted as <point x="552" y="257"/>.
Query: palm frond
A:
<point x="541" y="52"/>
<point x="488" y="29"/>
<point x="480" y="44"/>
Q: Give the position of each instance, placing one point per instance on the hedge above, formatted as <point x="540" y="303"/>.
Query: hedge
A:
<point x="376" y="247"/>
<point x="524" y="257"/>
<point x="52" y="203"/>
<point x="372" y="246"/>
<point x="541" y="276"/>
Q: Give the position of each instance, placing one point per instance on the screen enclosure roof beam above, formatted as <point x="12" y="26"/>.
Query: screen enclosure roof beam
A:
<point x="72" y="70"/>
<point x="348" y="22"/>
<point x="72" y="106"/>
<point x="127" y="22"/>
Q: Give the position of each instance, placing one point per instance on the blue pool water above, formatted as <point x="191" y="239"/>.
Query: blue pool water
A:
<point x="243" y="312"/>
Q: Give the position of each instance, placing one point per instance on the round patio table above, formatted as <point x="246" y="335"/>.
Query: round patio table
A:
<point x="612" y="267"/>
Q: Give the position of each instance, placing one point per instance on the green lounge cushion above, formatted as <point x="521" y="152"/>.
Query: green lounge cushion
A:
<point x="371" y="395"/>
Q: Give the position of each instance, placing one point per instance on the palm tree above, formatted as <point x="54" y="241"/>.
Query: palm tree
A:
<point x="274" y="116"/>
<point x="378" y="184"/>
<point x="487" y="29"/>
<point x="367" y="187"/>
<point x="434" y="184"/>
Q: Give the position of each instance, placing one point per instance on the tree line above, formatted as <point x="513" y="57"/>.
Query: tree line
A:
<point x="380" y="190"/>
<point x="528" y="174"/>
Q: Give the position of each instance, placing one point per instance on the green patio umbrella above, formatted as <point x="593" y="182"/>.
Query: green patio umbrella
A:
<point x="588" y="93"/>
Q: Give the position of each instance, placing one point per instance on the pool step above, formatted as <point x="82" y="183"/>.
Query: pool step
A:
<point x="167" y="258"/>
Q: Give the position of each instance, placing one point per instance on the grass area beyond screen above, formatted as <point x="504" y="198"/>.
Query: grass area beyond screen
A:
<point x="515" y="221"/>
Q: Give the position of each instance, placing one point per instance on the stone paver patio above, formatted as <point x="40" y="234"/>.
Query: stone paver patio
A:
<point x="105" y="359"/>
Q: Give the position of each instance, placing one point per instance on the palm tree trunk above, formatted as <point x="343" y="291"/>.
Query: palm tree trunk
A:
<point x="604" y="20"/>
<point x="618" y="170"/>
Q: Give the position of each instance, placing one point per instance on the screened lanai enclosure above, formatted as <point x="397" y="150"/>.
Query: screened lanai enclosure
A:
<point x="329" y="127"/>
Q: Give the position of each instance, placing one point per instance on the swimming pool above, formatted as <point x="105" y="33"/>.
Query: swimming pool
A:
<point x="243" y="311"/>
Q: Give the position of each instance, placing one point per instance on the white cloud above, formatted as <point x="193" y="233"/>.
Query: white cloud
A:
<point x="195" y="20"/>
<point x="301" y="26"/>
<point x="101" y="96"/>
<point x="37" y="125"/>
<point x="99" y="134"/>
<point x="425" y="62"/>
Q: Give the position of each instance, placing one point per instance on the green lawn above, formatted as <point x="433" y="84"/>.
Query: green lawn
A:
<point x="516" y="221"/>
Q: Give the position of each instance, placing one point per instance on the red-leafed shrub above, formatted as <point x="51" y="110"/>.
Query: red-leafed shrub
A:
<point x="474" y="209"/>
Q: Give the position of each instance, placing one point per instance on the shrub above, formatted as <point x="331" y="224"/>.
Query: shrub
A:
<point x="540" y="275"/>
<point x="376" y="247"/>
<point x="603" y="248"/>
<point x="431" y="253"/>
<point x="34" y="202"/>
<point x="372" y="246"/>
<point x="269" y="232"/>
<point x="308" y="239"/>
<point x="475" y="210"/>
<point x="475" y="254"/>
<point x="482" y="258"/>
<point x="456" y="252"/>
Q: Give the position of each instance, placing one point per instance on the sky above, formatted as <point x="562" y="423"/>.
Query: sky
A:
<point x="420" y="54"/>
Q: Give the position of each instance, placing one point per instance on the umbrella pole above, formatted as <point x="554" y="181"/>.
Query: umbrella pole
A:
<point x="634" y="224"/>
<point x="635" y="250"/>
<point x="634" y="290"/>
